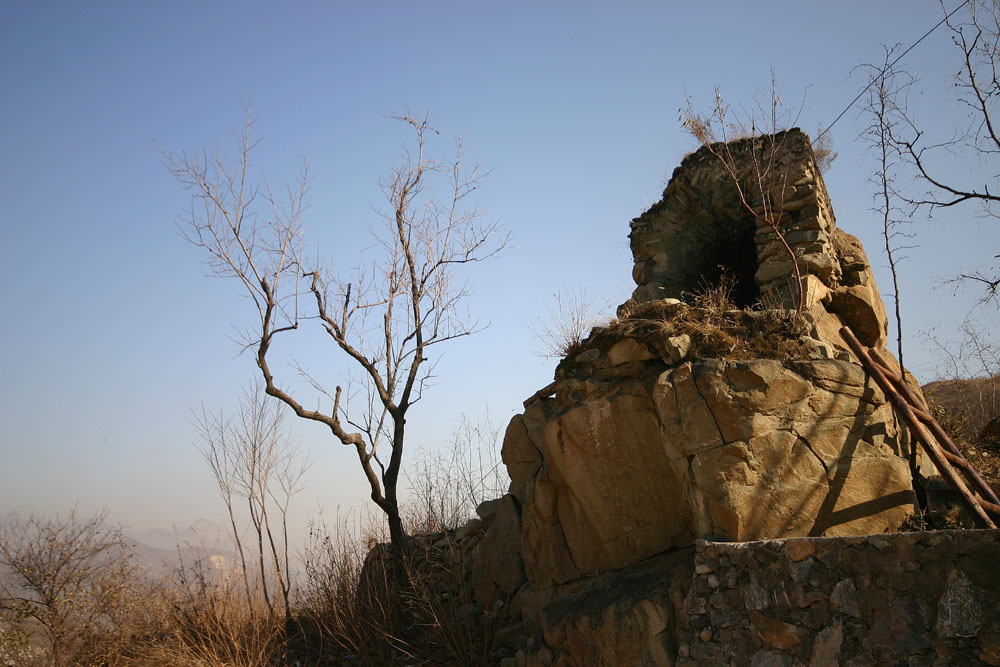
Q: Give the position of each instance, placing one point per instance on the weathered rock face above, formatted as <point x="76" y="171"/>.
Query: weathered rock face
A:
<point x="648" y="444"/>
<point x="738" y="450"/>
<point x="691" y="419"/>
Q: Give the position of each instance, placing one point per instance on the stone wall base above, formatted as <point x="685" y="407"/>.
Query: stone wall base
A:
<point x="922" y="598"/>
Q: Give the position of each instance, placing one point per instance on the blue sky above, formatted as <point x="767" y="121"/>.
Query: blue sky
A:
<point x="111" y="333"/>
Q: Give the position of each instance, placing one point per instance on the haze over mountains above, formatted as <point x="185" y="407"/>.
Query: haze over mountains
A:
<point x="160" y="551"/>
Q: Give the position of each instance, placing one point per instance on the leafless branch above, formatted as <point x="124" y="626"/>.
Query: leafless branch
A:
<point x="386" y="317"/>
<point x="760" y="182"/>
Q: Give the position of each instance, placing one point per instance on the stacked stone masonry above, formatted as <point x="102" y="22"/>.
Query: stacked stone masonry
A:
<point x="907" y="598"/>
<point x="703" y="225"/>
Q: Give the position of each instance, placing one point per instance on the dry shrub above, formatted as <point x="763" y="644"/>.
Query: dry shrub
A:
<point x="361" y="606"/>
<point x="71" y="593"/>
<point x="446" y="485"/>
<point x="212" y="623"/>
<point x="980" y="449"/>
<point x="565" y="325"/>
<point x="718" y="329"/>
<point x="341" y="622"/>
<point x="454" y="627"/>
<point x="966" y="397"/>
<point x="822" y="147"/>
<point x="371" y="615"/>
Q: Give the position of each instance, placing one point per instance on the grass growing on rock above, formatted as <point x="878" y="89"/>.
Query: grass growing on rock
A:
<point x="716" y="327"/>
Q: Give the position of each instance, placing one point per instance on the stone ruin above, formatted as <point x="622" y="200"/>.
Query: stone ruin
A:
<point x="646" y="446"/>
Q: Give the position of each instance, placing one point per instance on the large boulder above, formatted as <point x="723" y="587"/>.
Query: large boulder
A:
<point x="696" y="416"/>
<point x="733" y="450"/>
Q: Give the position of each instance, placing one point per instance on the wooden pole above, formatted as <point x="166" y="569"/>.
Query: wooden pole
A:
<point x="917" y="428"/>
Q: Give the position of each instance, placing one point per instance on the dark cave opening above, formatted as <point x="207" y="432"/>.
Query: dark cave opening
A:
<point x="726" y="246"/>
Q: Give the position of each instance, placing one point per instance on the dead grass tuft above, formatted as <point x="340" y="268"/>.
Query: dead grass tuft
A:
<point x="718" y="329"/>
<point x="978" y="445"/>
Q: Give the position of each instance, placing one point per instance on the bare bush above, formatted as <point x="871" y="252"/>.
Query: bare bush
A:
<point x="966" y="397"/>
<point x="257" y="469"/>
<point x="447" y="486"/>
<point x="972" y="356"/>
<point x="73" y="590"/>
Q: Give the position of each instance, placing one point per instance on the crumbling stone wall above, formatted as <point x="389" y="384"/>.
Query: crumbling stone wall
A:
<point x="925" y="598"/>
<point x="919" y="599"/>
<point x="701" y="227"/>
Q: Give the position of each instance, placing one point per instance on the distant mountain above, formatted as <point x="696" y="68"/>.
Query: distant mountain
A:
<point x="10" y="517"/>
<point x="161" y="552"/>
<point x="202" y="533"/>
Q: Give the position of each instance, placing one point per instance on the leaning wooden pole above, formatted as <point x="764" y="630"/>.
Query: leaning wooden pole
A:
<point x="949" y="447"/>
<point x="920" y="433"/>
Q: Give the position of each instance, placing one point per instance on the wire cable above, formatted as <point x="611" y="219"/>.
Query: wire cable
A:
<point x="889" y="66"/>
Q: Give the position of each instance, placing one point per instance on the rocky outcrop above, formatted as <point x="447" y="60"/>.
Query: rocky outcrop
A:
<point x="738" y="450"/>
<point x="658" y="432"/>
<point x="726" y="419"/>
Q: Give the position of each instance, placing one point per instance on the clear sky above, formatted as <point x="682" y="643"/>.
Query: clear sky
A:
<point x="111" y="334"/>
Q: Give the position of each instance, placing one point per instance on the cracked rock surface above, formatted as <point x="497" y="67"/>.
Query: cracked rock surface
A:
<point x="612" y="472"/>
<point x="654" y="439"/>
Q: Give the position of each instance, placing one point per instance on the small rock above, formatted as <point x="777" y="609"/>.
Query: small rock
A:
<point x="628" y="350"/>
<point x="799" y="549"/>
<point x="826" y="648"/>
<point x="777" y="633"/>
<point x="961" y="608"/>
<point x="488" y="507"/>
<point x="468" y="529"/>
<point x="842" y="598"/>
<point x="676" y="348"/>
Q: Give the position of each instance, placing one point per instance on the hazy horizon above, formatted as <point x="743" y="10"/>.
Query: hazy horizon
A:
<point x="113" y="334"/>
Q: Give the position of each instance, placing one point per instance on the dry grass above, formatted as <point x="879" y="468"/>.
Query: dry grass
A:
<point x="349" y="608"/>
<point x="966" y="425"/>
<point x="568" y="318"/>
<point x="358" y="609"/>
<point x="212" y="623"/>
<point x="718" y="329"/>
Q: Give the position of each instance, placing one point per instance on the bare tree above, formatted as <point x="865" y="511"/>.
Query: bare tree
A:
<point x="384" y="320"/>
<point x="884" y="106"/>
<point x="255" y="464"/>
<point x="940" y="157"/>
<point x="755" y="169"/>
